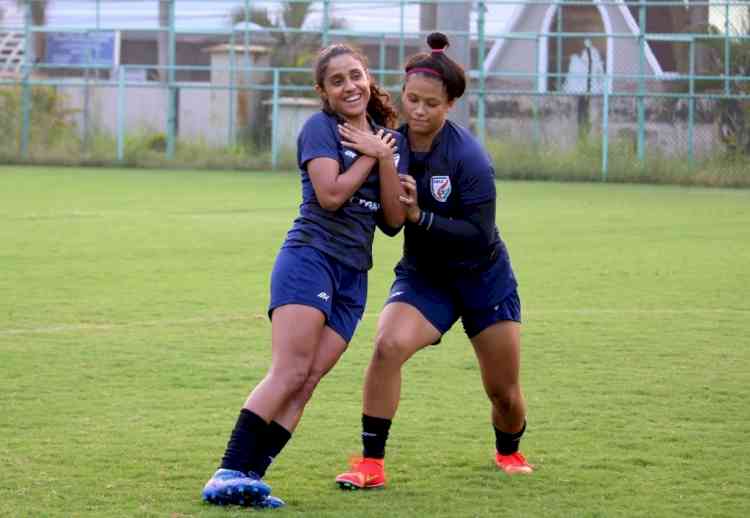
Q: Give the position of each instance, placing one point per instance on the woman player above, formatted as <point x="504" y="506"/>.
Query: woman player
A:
<point x="350" y="184"/>
<point x="454" y="265"/>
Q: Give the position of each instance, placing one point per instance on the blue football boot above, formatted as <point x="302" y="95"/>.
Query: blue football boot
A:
<point x="270" y="502"/>
<point x="228" y="486"/>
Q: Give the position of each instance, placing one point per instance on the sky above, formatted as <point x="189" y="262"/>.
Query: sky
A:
<point x="214" y="15"/>
<point x="211" y="15"/>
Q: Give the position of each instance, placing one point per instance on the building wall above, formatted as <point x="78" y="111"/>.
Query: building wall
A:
<point x="511" y="118"/>
<point x="143" y="52"/>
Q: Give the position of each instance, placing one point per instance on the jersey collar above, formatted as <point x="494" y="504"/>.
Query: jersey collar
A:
<point x="404" y="130"/>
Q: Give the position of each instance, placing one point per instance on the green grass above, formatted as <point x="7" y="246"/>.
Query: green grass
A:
<point x="132" y="326"/>
<point x="584" y="163"/>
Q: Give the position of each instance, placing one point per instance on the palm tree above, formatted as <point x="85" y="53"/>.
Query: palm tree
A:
<point x="291" y="48"/>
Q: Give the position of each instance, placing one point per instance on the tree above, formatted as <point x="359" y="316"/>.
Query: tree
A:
<point x="734" y="114"/>
<point x="291" y="48"/>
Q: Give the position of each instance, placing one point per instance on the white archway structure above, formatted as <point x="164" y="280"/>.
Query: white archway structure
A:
<point x="524" y="55"/>
<point x="543" y="62"/>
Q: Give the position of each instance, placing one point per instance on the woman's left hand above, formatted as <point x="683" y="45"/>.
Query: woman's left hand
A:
<point x="409" y="198"/>
<point x="380" y="145"/>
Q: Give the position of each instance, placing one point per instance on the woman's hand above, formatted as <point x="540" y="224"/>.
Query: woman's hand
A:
<point x="380" y="145"/>
<point x="409" y="199"/>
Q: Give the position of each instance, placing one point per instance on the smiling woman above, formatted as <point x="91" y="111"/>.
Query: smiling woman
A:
<point x="349" y="164"/>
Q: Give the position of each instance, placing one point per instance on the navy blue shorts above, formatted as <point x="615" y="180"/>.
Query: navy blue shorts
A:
<point x="304" y="275"/>
<point x="474" y="299"/>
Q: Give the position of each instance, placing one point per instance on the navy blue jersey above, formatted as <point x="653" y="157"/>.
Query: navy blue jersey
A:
<point x="453" y="179"/>
<point x="347" y="233"/>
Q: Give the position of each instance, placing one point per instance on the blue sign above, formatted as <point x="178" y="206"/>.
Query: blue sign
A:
<point x="75" y="48"/>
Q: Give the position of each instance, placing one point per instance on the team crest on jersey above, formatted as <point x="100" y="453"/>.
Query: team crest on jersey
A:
<point x="440" y="187"/>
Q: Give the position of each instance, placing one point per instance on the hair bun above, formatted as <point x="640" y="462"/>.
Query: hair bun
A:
<point x="438" y="41"/>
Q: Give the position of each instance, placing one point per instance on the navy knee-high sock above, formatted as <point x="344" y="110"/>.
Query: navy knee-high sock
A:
<point x="244" y="442"/>
<point x="274" y="440"/>
<point x="508" y="443"/>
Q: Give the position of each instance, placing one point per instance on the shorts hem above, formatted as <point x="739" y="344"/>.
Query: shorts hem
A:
<point x="441" y="329"/>
<point x="326" y="312"/>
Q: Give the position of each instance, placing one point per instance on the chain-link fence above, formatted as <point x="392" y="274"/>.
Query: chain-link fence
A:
<point x="572" y="88"/>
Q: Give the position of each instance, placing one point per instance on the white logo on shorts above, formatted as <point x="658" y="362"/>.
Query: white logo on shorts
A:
<point x="396" y="294"/>
<point x="323" y="295"/>
<point x="350" y="153"/>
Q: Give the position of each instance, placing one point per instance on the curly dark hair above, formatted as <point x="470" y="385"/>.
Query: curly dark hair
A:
<point x="380" y="107"/>
<point x="448" y="71"/>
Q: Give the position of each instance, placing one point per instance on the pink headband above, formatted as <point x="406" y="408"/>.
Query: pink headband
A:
<point x="424" y="70"/>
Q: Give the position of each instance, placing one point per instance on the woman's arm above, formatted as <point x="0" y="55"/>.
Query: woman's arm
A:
<point x="476" y="224"/>
<point x="333" y="189"/>
<point x="381" y="146"/>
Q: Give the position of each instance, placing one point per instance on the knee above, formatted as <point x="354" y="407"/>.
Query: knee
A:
<point x="308" y="387"/>
<point x="390" y="348"/>
<point x="505" y="398"/>
<point x="291" y="379"/>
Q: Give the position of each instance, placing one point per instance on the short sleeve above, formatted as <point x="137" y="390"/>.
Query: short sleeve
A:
<point x="476" y="176"/>
<point x="317" y="139"/>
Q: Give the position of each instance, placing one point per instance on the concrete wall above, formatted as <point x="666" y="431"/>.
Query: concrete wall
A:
<point x="293" y="112"/>
<point x="145" y="108"/>
<point x="203" y="113"/>
<point x="512" y="118"/>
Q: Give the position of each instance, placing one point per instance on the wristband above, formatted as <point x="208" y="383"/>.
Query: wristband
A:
<point x="426" y="219"/>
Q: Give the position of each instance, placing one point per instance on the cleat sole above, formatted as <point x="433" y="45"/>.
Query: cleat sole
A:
<point x="348" y="486"/>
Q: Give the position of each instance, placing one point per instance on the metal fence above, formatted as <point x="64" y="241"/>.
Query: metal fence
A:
<point x="107" y="78"/>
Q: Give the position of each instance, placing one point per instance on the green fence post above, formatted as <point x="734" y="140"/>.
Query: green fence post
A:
<point x="275" y="121"/>
<point x="401" y="41"/>
<point x="247" y="62"/>
<point x="231" y="89"/>
<point x="691" y="104"/>
<point x="26" y="99"/>
<point x="559" y="53"/>
<point x="326" y="21"/>
<point x="481" y="123"/>
<point x="535" y="105"/>
<point x="121" y="113"/>
<point x="727" y="50"/>
<point x="605" y="129"/>
<point x="382" y="62"/>
<point x="642" y="81"/>
<point x="172" y="94"/>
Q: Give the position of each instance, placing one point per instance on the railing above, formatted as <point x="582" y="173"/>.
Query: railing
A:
<point x="550" y="73"/>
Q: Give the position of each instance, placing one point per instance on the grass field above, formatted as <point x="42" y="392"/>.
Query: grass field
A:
<point x="132" y="325"/>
